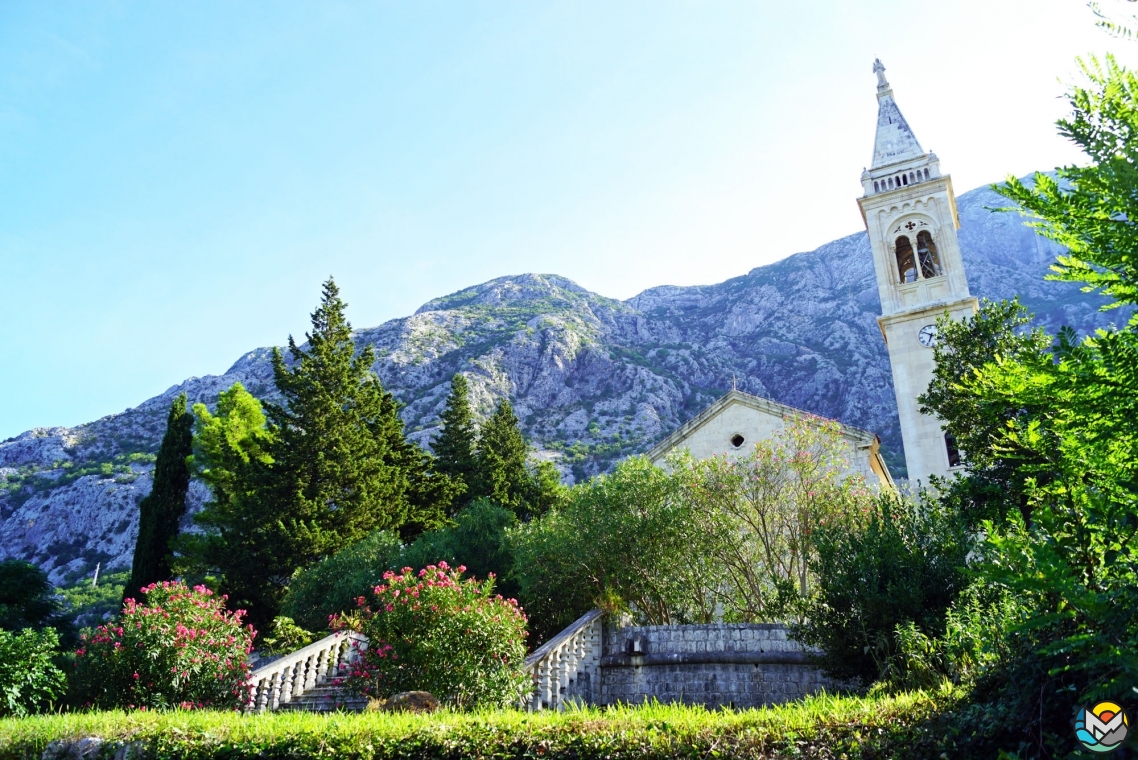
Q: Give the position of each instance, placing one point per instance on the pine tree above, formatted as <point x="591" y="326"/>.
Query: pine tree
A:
<point x="161" y="511"/>
<point x="502" y="474"/>
<point x="454" y="446"/>
<point x="339" y="466"/>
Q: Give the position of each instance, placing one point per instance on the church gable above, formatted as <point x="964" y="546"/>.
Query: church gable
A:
<point x="735" y="422"/>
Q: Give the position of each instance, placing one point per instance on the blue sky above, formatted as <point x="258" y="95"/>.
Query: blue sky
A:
<point x="176" y="179"/>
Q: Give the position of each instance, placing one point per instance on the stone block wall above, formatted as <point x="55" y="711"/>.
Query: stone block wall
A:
<point x="719" y="665"/>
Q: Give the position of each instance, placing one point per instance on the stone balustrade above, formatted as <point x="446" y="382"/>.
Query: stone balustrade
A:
<point x="567" y="667"/>
<point x="286" y="679"/>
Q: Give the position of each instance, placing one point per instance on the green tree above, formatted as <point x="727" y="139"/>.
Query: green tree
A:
<point x="161" y="511"/>
<point x="238" y="542"/>
<point x="1071" y="558"/>
<point x="627" y="541"/>
<point x="477" y="540"/>
<point x="312" y="474"/>
<point x="455" y="444"/>
<point x="334" y="584"/>
<point x="26" y="597"/>
<point x="503" y="473"/>
<point x="30" y="682"/>
<point x="763" y="510"/>
<point x="995" y="479"/>
<point x="902" y="562"/>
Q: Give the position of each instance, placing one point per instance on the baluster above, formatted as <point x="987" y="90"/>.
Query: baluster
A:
<point x="277" y="682"/>
<point x="570" y="667"/>
<point x="264" y="689"/>
<point x="547" y="681"/>
<point x="563" y="662"/>
<point x="310" y="671"/>
<point x="298" y="679"/>
<point x="251" y="704"/>
<point x="288" y="676"/>
<point x="322" y="665"/>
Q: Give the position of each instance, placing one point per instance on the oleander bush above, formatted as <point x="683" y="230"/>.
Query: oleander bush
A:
<point x="181" y="649"/>
<point x="29" y="680"/>
<point x="434" y="631"/>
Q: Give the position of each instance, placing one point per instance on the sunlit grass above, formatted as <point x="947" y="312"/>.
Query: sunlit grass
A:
<point x="848" y="723"/>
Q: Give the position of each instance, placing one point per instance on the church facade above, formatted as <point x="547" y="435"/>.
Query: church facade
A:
<point x="910" y="214"/>
<point x="733" y="423"/>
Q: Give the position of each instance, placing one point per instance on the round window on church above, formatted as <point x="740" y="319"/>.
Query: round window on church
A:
<point x="737" y="440"/>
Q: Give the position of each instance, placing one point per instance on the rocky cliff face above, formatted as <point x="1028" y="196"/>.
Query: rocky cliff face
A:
<point x="593" y="379"/>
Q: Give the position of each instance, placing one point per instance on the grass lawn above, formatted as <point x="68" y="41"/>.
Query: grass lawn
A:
<point x="823" y="726"/>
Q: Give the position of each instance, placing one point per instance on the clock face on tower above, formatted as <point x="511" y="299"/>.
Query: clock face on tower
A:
<point x="927" y="336"/>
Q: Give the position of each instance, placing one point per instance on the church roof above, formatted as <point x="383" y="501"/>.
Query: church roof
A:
<point x="895" y="141"/>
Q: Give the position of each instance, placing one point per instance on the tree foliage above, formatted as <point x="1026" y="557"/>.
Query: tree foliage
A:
<point x="893" y="562"/>
<point x="503" y="474"/>
<point x="160" y="512"/>
<point x="298" y="480"/>
<point x="764" y="508"/>
<point x="30" y="682"/>
<point x="27" y="599"/>
<point x="455" y="444"/>
<point x="1062" y="426"/>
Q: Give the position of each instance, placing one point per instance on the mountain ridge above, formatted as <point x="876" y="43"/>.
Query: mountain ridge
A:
<point x="592" y="378"/>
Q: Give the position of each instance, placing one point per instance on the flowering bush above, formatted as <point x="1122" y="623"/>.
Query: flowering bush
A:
<point x="434" y="631"/>
<point x="181" y="649"/>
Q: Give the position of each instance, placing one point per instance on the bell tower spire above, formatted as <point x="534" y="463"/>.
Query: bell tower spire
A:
<point x="910" y="214"/>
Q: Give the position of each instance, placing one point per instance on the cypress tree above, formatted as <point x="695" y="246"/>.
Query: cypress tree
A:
<point x="502" y="473"/>
<point x="161" y="511"/>
<point x="454" y="445"/>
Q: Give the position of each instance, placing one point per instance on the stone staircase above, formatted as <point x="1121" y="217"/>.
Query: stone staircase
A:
<point x="564" y="670"/>
<point x="304" y="679"/>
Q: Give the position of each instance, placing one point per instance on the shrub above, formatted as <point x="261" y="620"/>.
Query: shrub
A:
<point x="332" y="585"/>
<point x="26" y="598"/>
<point x="286" y="636"/>
<point x="436" y="632"/>
<point x="29" y="680"/>
<point x="477" y="540"/>
<point x="181" y="649"/>
<point x="906" y="564"/>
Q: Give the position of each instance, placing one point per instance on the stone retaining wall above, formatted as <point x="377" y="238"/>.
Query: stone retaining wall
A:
<point x="734" y="665"/>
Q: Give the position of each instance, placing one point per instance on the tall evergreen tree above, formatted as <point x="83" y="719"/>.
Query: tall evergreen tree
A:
<point x="454" y="445"/>
<point x="502" y="473"/>
<point x="336" y="440"/>
<point x="161" y="511"/>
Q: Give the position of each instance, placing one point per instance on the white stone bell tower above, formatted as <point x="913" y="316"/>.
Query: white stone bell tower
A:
<point x="910" y="214"/>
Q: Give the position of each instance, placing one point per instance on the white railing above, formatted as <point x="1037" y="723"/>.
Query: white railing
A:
<point x="284" y="680"/>
<point x="567" y="667"/>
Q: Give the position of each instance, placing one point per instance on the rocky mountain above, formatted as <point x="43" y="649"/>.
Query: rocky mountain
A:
<point x="593" y="379"/>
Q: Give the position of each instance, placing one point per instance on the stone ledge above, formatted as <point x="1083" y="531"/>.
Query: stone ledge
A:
<point x="706" y="658"/>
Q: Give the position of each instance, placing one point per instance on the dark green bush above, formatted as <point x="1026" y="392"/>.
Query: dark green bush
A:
<point x="905" y="564"/>
<point x="29" y="680"/>
<point x="478" y="540"/>
<point x="333" y="584"/>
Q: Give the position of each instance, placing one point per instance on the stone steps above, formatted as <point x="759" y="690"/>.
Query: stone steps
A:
<point x="326" y="698"/>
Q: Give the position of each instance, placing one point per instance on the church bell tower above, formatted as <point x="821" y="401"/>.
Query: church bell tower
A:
<point x="910" y="213"/>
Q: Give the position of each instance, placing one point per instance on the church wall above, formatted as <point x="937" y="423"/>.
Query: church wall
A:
<point x="713" y="438"/>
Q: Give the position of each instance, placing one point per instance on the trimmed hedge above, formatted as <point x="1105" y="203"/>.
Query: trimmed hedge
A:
<point x="819" y="727"/>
